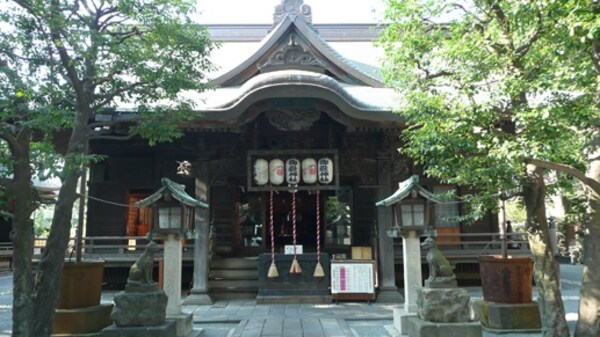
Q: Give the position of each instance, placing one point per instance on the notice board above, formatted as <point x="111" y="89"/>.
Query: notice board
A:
<point x="353" y="280"/>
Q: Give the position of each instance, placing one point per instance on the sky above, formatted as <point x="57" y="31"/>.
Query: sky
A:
<point x="261" y="11"/>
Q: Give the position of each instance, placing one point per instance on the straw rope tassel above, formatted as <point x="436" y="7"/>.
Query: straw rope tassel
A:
<point x="295" y="268"/>
<point x="319" y="272"/>
<point x="273" y="268"/>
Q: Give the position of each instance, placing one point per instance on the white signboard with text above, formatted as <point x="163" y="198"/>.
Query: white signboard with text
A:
<point x="289" y="250"/>
<point x="350" y="277"/>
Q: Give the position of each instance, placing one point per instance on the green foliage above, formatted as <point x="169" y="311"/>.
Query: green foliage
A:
<point x="486" y="85"/>
<point x="336" y="211"/>
<point x="63" y="61"/>
<point x="515" y="211"/>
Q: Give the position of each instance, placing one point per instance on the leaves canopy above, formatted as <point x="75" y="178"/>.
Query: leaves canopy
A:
<point x="61" y="63"/>
<point x="487" y="84"/>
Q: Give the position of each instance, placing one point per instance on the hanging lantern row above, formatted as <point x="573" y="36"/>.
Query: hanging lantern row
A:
<point x="293" y="171"/>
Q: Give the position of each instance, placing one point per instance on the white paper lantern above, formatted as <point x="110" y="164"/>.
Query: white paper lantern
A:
<point x="325" y="170"/>
<point x="261" y="171"/>
<point x="276" y="171"/>
<point x="292" y="171"/>
<point x="309" y="171"/>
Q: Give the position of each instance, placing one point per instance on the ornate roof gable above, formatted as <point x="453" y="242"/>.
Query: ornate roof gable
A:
<point x="294" y="8"/>
<point x="294" y="44"/>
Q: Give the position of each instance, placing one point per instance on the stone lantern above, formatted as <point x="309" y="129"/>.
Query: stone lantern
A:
<point x="413" y="201"/>
<point x="173" y="220"/>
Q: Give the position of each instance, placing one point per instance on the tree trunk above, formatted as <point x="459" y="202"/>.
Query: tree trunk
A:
<point x="551" y="305"/>
<point x="21" y="235"/>
<point x="53" y="260"/>
<point x="588" y="324"/>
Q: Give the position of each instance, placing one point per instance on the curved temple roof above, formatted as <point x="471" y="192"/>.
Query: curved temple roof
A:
<point x="176" y="190"/>
<point x="404" y="190"/>
<point x="293" y="61"/>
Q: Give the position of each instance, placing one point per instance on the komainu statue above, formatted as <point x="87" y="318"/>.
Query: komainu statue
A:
<point x="439" y="267"/>
<point x="141" y="271"/>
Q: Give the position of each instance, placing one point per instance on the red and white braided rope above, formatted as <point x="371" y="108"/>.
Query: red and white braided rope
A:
<point x="271" y="226"/>
<point x="318" y="229"/>
<point x="294" y="222"/>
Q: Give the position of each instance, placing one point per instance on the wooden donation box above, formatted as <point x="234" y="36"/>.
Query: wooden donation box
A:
<point x="353" y="280"/>
<point x="293" y="288"/>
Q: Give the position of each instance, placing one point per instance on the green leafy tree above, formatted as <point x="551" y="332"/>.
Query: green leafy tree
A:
<point x="61" y="62"/>
<point x="494" y="92"/>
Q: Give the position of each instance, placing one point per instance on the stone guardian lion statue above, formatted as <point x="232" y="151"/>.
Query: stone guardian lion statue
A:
<point x="439" y="267"/>
<point x="141" y="271"/>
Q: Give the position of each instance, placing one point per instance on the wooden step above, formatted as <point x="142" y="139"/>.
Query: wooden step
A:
<point x="233" y="277"/>
<point x="230" y="295"/>
<point x="235" y="263"/>
<point x="233" y="284"/>
<point x="233" y="274"/>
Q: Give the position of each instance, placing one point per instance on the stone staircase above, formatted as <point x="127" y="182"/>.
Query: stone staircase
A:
<point x="233" y="278"/>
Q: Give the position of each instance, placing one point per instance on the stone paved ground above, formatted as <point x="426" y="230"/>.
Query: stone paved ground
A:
<point x="245" y="318"/>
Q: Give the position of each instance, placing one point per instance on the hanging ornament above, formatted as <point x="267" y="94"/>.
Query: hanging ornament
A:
<point x="319" y="272"/>
<point x="273" y="268"/>
<point x="295" y="267"/>
<point x="276" y="171"/>
<point x="261" y="171"/>
<point x="292" y="171"/>
<point x="309" y="171"/>
<point x="325" y="171"/>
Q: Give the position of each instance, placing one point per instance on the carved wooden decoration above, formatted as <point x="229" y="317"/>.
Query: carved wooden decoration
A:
<point x="292" y="7"/>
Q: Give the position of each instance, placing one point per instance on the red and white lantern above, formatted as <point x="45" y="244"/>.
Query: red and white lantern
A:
<point x="309" y="171"/>
<point x="292" y="171"/>
<point x="325" y="170"/>
<point x="276" y="171"/>
<point x="261" y="171"/>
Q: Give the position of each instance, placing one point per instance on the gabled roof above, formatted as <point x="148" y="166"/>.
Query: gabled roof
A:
<point x="295" y="44"/>
<point x="176" y="190"/>
<point x="405" y="188"/>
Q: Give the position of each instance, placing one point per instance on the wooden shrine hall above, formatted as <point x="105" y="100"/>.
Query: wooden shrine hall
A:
<point x="291" y="152"/>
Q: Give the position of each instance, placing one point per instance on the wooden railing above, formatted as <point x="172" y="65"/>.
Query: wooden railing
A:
<point x="469" y="246"/>
<point x="6" y="254"/>
<point x="114" y="250"/>
<point x="125" y="249"/>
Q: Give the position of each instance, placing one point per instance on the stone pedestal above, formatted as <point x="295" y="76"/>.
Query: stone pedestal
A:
<point x="446" y="305"/>
<point x="198" y="297"/>
<point x="142" y="305"/>
<point x="417" y="327"/>
<point x="508" y="317"/>
<point x="411" y="250"/>
<point x="172" y="277"/>
<point x="400" y="316"/>
<point x="442" y="312"/>
<point x="166" y="329"/>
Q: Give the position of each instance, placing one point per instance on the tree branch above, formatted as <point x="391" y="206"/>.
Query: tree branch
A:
<point x="7" y="214"/>
<point x="7" y="135"/>
<point x="107" y="98"/>
<point x="579" y="175"/>
<point x="523" y="49"/>
<point x="56" y="34"/>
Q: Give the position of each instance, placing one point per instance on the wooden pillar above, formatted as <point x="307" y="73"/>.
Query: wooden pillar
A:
<point x="388" y="291"/>
<point x="199" y="293"/>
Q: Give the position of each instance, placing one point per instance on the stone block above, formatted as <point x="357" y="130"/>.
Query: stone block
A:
<point x="416" y="327"/>
<point x="166" y="329"/>
<point x="81" y="320"/>
<point x="400" y="317"/>
<point x="183" y="323"/>
<point x="448" y="305"/>
<point x="139" y="309"/>
<point x="445" y="282"/>
<point x="508" y="317"/>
